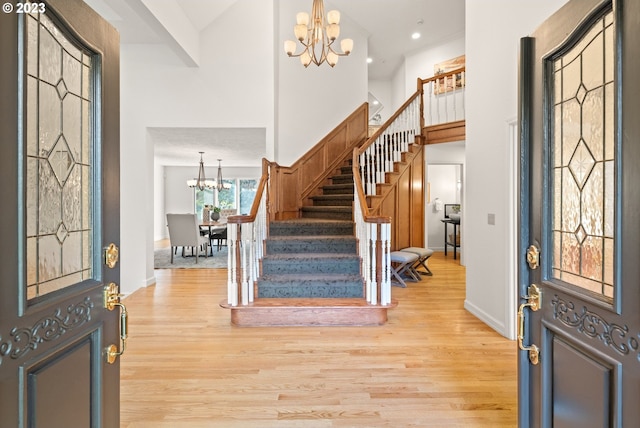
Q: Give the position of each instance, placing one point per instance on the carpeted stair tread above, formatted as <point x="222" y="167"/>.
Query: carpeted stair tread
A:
<point x="328" y="212"/>
<point x="338" y="189"/>
<point x="310" y="285"/>
<point x="346" y="170"/>
<point x="310" y="263"/>
<point x="303" y="277"/>
<point x="311" y="244"/>
<point x="342" y="179"/>
<point x="310" y="227"/>
<point x="333" y="200"/>
<point x="325" y="208"/>
<point x="295" y="256"/>
<point x="313" y="238"/>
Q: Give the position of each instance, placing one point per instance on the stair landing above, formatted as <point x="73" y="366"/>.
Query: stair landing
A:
<point x="308" y="312"/>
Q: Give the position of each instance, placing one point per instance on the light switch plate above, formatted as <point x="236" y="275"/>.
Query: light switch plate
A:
<point x="491" y="219"/>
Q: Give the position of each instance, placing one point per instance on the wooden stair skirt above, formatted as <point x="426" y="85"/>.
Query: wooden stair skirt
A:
<point x="308" y="312"/>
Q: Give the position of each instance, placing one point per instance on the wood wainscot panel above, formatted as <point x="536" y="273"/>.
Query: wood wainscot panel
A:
<point x="288" y="191"/>
<point x="402" y="220"/>
<point x="357" y="130"/>
<point x="445" y="133"/>
<point x="312" y="168"/>
<point x="336" y="145"/>
<point x="388" y="209"/>
<point x="417" y="200"/>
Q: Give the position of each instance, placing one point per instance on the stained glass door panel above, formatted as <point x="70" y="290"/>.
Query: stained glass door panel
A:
<point x="583" y="161"/>
<point x="59" y="161"/>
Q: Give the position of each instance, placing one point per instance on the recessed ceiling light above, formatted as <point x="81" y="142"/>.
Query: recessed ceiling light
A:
<point x="415" y="36"/>
<point x="376" y="102"/>
<point x="369" y="60"/>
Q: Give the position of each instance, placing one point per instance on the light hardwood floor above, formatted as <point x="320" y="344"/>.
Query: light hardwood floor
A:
<point x="432" y="365"/>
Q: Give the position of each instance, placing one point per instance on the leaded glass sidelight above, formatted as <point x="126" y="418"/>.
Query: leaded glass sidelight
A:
<point x="59" y="223"/>
<point x="583" y="160"/>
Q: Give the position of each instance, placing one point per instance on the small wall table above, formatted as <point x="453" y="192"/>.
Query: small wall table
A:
<point x="454" y="244"/>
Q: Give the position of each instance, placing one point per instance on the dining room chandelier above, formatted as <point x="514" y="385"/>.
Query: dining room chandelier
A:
<point x="201" y="182"/>
<point x="220" y="184"/>
<point x="317" y="36"/>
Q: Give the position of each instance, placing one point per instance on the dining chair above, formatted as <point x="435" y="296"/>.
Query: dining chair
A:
<point x="184" y="232"/>
<point x="219" y="236"/>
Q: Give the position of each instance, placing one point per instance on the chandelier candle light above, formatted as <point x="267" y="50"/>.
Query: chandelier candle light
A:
<point x="318" y="36"/>
<point x="201" y="183"/>
<point x="220" y="184"/>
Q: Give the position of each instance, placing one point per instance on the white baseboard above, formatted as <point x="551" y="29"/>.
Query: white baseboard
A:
<point x="150" y="281"/>
<point x="495" y="324"/>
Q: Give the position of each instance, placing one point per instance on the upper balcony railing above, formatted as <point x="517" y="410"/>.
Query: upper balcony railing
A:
<point x="443" y="97"/>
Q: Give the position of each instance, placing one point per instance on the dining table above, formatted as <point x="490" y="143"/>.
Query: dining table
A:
<point x="213" y="226"/>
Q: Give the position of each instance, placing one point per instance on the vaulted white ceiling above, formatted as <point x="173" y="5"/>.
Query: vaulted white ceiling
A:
<point x="388" y="23"/>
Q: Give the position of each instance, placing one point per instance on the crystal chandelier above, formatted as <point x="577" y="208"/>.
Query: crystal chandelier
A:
<point x="318" y="36"/>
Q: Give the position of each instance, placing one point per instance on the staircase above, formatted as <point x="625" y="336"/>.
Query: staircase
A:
<point x="325" y="260"/>
<point x="336" y="201"/>
<point x="311" y="267"/>
<point x="315" y="256"/>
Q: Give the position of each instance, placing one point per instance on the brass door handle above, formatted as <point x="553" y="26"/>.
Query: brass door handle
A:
<point x="111" y="300"/>
<point x="534" y="300"/>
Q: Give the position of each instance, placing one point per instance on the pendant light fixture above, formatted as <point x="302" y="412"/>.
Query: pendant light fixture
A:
<point x="201" y="183"/>
<point x="317" y="37"/>
<point x="220" y="184"/>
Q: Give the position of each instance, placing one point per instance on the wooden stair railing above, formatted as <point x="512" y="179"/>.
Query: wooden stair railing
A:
<point x="245" y="236"/>
<point x="390" y="169"/>
<point x="374" y="238"/>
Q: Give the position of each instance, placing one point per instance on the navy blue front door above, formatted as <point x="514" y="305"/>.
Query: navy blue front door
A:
<point x="579" y="282"/>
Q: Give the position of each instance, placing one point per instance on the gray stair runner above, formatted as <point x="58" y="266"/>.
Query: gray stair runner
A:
<point x="311" y="258"/>
<point x="336" y="201"/>
<point x="315" y="256"/>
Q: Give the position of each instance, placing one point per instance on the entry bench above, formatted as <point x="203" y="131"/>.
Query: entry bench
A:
<point x="423" y="255"/>
<point x="402" y="262"/>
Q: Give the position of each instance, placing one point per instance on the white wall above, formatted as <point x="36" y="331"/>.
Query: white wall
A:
<point x="228" y="89"/>
<point x="312" y="101"/>
<point x="398" y="88"/>
<point x="493" y="31"/>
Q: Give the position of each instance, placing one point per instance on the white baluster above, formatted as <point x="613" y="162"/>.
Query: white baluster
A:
<point x="463" y="92"/>
<point x="386" y="258"/>
<point x="372" y="257"/>
<point x="244" y="246"/>
<point x="431" y="92"/>
<point x="232" y="284"/>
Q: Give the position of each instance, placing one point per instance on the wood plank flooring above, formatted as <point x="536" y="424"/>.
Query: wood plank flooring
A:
<point x="432" y="365"/>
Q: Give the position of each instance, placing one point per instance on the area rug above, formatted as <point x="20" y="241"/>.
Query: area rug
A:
<point x="162" y="260"/>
